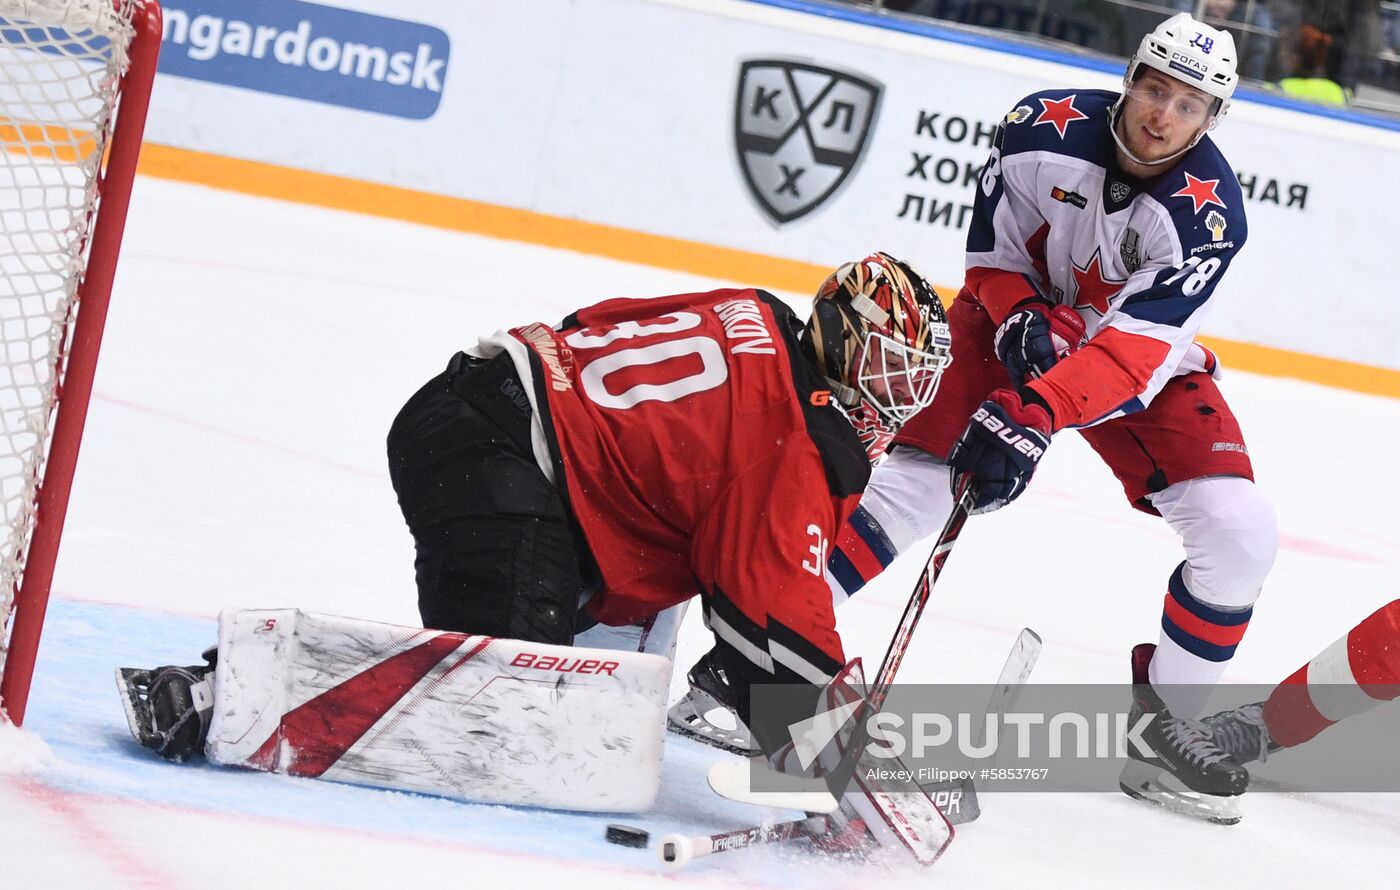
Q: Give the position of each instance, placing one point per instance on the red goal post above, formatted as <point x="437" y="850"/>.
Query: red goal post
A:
<point x="75" y="83"/>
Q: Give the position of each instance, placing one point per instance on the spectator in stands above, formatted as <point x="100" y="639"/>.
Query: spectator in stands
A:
<point x="1354" y="27"/>
<point x="1307" y="79"/>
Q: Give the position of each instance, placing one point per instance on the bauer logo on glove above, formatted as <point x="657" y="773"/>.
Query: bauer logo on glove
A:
<point x="1007" y="433"/>
<point x="1000" y="448"/>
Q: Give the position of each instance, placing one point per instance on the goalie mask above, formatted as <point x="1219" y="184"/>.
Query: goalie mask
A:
<point x="881" y="338"/>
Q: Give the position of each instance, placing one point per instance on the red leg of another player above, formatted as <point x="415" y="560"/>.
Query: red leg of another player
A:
<point x="1354" y="674"/>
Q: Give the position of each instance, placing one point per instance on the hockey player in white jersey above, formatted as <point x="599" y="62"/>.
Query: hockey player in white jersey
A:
<point x="1102" y="231"/>
<point x="1103" y="227"/>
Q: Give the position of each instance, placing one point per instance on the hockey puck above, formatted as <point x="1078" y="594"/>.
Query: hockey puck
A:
<point x="627" y="836"/>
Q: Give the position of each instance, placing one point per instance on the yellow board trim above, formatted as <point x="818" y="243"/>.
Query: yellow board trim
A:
<point x="462" y="215"/>
<point x="48" y="142"/>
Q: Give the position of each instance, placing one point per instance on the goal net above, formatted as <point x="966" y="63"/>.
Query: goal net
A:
<point x="75" y="80"/>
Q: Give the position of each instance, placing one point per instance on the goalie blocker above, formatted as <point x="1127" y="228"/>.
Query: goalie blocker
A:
<point x="469" y="717"/>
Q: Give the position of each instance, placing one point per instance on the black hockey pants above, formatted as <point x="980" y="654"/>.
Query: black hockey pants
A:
<point x="497" y="552"/>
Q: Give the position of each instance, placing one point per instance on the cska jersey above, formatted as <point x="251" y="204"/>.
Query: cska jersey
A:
<point x="696" y="446"/>
<point x="1139" y="260"/>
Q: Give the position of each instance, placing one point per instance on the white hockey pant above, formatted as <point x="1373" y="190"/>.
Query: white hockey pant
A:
<point x="1228" y="529"/>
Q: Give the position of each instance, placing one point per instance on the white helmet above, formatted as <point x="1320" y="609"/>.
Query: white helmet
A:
<point x="1193" y="53"/>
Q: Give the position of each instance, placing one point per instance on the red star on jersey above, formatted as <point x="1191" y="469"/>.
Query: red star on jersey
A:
<point x="1061" y="113"/>
<point x="1092" y="290"/>
<point x="1201" y="192"/>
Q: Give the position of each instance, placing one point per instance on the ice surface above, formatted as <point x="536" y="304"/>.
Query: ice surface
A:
<point x="255" y="355"/>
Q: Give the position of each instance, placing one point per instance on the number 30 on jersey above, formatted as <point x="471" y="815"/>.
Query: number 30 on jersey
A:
<point x="594" y="374"/>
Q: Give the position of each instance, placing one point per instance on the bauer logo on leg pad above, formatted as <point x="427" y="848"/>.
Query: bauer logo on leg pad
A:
<point x="563" y="665"/>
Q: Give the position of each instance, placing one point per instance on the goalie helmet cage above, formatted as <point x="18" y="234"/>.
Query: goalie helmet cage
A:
<point x="75" y="82"/>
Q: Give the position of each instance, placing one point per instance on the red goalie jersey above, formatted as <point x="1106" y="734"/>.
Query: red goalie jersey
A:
<point x="699" y="450"/>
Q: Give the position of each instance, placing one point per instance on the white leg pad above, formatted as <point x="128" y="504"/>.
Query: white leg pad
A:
<point x="475" y="718"/>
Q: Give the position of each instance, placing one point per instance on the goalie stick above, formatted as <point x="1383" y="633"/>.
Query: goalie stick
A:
<point x="725" y="779"/>
<point x="923" y="588"/>
<point x="734" y="779"/>
<point x="678" y="849"/>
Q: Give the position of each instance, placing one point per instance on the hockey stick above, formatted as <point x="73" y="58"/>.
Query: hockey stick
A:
<point x="678" y="723"/>
<point x="1025" y="652"/>
<point x="962" y="505"/>
<point x="678" y="849"/>
<point x="957" y="798"/>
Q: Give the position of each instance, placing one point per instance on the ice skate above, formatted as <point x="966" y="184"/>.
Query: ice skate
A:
<point x="1242" y="733"/>
<point x="1190" y="773"/>
<point x="168" y="708"/>
<point x="710" y="693"/>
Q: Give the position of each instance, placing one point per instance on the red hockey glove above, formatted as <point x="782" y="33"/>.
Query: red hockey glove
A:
<point x="1035" y="336"/>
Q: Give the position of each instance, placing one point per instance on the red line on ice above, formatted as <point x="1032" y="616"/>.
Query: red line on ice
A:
<point x="262" y="442"/>
<point x="110" y="850"/>
<point x="67" y="802"/>
<point x="1313" y="547"/>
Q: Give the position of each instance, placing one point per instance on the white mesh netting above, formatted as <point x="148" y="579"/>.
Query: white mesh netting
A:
<point x="60" y="66"/>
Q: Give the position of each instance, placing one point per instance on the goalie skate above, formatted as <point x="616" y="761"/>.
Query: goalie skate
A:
<point x="132" y="686"/>
<point x="168" y="708"/>
<point x="709" y="696"/>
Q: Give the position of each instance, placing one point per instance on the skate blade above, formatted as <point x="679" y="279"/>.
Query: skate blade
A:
<point x="687" y="720"/>
<point x="1152" y="784"/>
<point x="130" y="682"/>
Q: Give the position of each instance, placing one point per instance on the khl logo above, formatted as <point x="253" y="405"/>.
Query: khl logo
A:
<point x="800" y="131"/>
